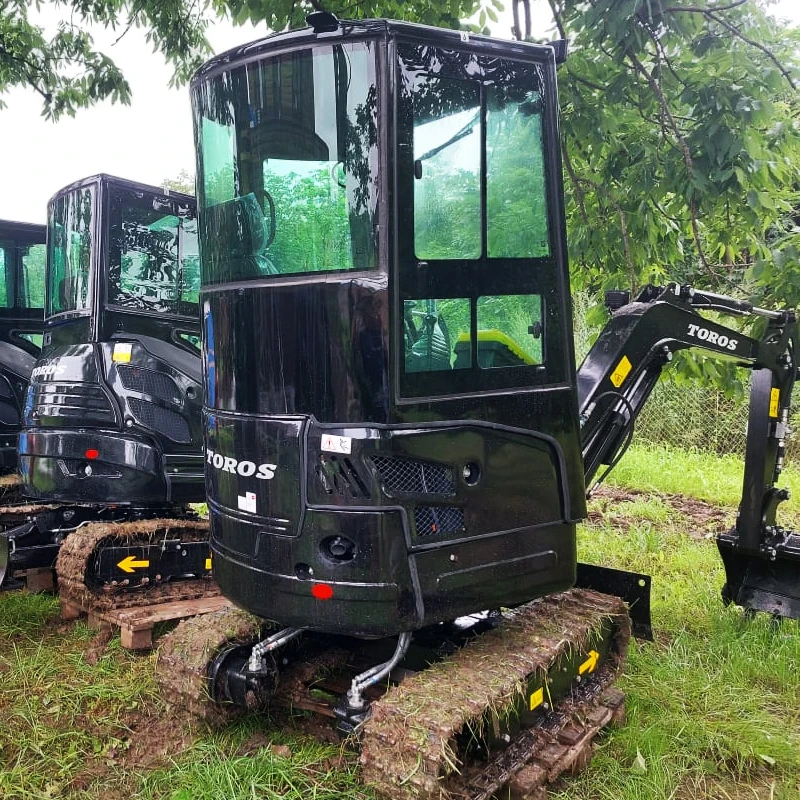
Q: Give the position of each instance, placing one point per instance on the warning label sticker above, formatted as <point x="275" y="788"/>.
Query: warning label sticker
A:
<point x="621" y="371"/>
<point x="247" y="502"/>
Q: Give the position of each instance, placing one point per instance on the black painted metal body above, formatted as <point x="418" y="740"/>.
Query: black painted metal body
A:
<point x="359" y="480"/>
<point x="113" y="410"/>
<point x="21" y="321"/>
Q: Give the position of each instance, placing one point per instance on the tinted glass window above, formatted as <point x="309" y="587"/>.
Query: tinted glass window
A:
<point x="288" y="162"/>
<point x="476" y="128"/>
<point x="438" y="334"/>
<point x="33" y="338"/>
<point x="6" y="270"/>
<point x="516" y="200"/>
<point x="447" y="166"/>
<point x="22" y="273"/>
<point x="479" y="286"/>
<point x="30" y="292"/>
<point x="432" y="331"/>
<point x="510" y="330"/>
<point x="70" y="246"/>
<point x="153" y="259"/>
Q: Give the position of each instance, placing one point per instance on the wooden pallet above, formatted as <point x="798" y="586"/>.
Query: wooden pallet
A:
<point x="39" y="580"/>
<point x="136" y="624"/>
<point x="34" y="580"/>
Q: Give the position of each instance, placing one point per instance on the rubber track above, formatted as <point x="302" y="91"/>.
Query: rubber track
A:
<point x="13" y="515"/>
<point x="76" y="552"/>
<point x="407" y="743"/>
<point x="184" y="654"/>
<point x="14" y="507"/>
<point x="10" y="489"/>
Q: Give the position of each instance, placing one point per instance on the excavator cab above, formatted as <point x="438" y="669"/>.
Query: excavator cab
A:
<point x="22" y="270"/>
<point x="392" y="434"/>
<point x="113" y="410"/>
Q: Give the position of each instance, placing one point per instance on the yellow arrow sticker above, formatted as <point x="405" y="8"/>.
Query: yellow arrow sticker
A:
<point x="621" y="371"/>
<point x="590" y="663"/>
<point x="208" y="563"/>
<point x="537" y="698"/>
<point x="130" y="563"/>
<point x="774" y="400"/>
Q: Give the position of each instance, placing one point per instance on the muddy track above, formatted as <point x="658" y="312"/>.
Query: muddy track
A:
<point x="76" y="553"/>
<point x="409" y="747"/>
<point x="183" y="656"/>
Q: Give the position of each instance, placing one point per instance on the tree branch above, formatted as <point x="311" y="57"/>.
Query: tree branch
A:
<point x="29" y="70"/>
<point x="626" y="244"/>
<point x="706" y="10"/>
<point x="767" y="52"/>
<point x="673" y="126"/>
<point x="579" y="195"/>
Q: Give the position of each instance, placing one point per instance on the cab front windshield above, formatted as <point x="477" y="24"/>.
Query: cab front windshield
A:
<point x="287" y="163"/>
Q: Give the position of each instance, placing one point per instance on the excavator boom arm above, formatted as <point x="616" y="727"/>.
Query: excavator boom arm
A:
<point x="616" y="379"/>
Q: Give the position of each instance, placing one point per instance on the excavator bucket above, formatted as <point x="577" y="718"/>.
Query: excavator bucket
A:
<point x="758" y="584"/>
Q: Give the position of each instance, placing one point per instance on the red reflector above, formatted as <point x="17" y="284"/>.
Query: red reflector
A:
<point x="90" y="454"/>
<point x="322" y="591"/>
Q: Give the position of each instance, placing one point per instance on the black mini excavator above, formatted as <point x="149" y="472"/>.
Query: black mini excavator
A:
<point x="397" y="440"/>
<point x="22" y="267"/>
<point x="112" y="431"/>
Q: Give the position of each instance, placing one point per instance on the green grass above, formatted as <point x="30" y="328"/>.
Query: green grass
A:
<point x="717" y="479"/>
<point x="713" y="704"/>
<point x="298" y="768"/>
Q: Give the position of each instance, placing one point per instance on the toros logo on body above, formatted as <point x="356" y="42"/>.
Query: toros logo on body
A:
<point x="706" y="335"/>
<point x="245" y="469"/>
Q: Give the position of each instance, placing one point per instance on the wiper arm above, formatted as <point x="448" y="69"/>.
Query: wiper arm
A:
<point x="463" y="133"/>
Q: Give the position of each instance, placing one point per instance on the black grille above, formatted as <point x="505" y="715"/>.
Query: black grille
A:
<point x="70" y="405"/>
<point x="435" y="520"/>
<point x="404" y="476"/>
<point x="148" y="381"/>
<point x="162" y="420"/>
<point x="339" y="476"/>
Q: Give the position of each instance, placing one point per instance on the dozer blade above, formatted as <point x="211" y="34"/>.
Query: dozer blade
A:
<point x="768" y="582"/>
<point x="518" y="705"/>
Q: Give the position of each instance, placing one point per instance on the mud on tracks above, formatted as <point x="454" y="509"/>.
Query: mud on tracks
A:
<point x="78" y="549"/>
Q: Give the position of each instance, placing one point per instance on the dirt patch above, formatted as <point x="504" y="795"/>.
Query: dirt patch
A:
<point x="97" y="647"/>
<point x="317" y="727"/>
<point x="152" y="739"/>
<point x="700" y="519"/>
<point x="155" y="738"/>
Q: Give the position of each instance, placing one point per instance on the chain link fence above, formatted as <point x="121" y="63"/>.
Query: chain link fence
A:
<point x="702" y="418"/>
